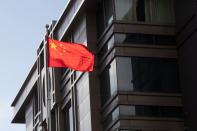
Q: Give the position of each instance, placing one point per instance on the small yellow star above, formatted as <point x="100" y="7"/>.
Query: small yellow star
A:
<point x="53" y="45"/>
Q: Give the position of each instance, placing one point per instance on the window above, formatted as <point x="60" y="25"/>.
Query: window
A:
<point x="41" y="61"/>
<point x="108" y="8"/>
<point x="53" y="121"/>
<point x="64" y="70"/>
<point x="108" y="45"/>
<point x="100" y="19"/>
<point x="36" y="103"/>
<point x="43" y="92"/>
<point x="155" y="75"/>
<point x="133" y="10"/>
<point x="108" y="82"/>
<point x="148" y="39"/>
<point x="134" y="38"/>
<point x="69" y="117"/>
<point x="149" y="11"/>
<point x="125" y="111"/>
<point x="139" y="74"/>
<point x="105" y="15"/>
<point x="147" y="74"/>
<point x="150" y="111"/>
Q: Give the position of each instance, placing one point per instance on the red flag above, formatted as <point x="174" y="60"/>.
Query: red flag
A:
<point x="71" y="55"/>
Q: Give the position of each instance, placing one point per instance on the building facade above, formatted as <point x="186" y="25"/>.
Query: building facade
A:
<point x="141" y="80"/>
<point x="186" y="45"/>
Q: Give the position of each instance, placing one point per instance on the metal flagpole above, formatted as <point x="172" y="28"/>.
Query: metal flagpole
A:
<point x="47" y="81"/>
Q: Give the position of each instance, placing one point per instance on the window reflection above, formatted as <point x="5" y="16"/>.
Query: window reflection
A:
<point x="104" y="15"/>
<point x="143" y="111"/>
<point x="108" y="6"/>
<point x="151" y="11"/>
<point x="130" y="10"/>
<point x="69" y="117"/>
<point x="149" y="39"/>
<point x="141" y="75"/>
<point x="108" y="45"/>
<point x="143" y="11"/>
<point x="108" y="82"/>
<point x="155" y="75"/>
<point x="134" y="38"/>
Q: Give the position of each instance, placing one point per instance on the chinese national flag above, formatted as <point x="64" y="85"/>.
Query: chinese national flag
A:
<point x="69" y="55"/>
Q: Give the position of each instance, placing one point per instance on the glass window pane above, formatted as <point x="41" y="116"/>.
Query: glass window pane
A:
<point x="108" y="5"/>
<point x="128" y="9"/>
<point x="124" y="74"/>
<point x="108" y="82"/>
<point x="100" y="19"/>
<point x="113" y="78"/>
<point x="162" y="11"/>
<point x="150" y="111"/>
<point x="144" y="39"/>
<point x="154" y="11"/>
<point x="105" y="86"/>
<point x="155" y="75"/>
<point x="108" y="45"/>
<point x="127" y="110"/>
<point x="69" y="117"/>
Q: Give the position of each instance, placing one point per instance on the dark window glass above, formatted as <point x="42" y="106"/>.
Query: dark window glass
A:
<point x="108" y="6"/>
<point x="108" y="45"/>
<point x="165" y="40"/>
<point x="102" y="52"/>
<point x="43" y="91"/>
<point x="100" y="19"/>
<point x="36" y="103"/>
<point x="155" y="75"/>
<point x="125" y="111"/>
<point x="139" y="74"/>
<point x="41" y="60"/>
<point x="159" y="111"/>
<point x="161" y="11"/>
<point x="144" y="39"/>
<point x="104" y="15"/>
<point x="53" y="121"/>
<point x="105" y="85"/>
<point x="140" y="10"/>
<point x="64" y="70"/>
<point x="111" y="117"/>
<point x="107" y="121"/>
<point x="69" y="117"/>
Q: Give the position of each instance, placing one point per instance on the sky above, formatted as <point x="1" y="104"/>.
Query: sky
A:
<point x="22" y="27"/>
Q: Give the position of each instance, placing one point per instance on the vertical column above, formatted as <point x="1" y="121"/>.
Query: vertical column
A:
<point x="94" y="87"/>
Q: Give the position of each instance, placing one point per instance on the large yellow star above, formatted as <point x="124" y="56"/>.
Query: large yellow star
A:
<point x="53" y="45"/>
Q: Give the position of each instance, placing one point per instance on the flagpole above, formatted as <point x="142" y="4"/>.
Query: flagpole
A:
<point x="48" y="119"/>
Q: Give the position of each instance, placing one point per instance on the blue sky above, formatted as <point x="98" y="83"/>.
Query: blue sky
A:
<point x="22" y="27"/>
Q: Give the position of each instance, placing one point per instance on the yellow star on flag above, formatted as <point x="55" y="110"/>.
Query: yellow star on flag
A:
<point x="53" y="45"/>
